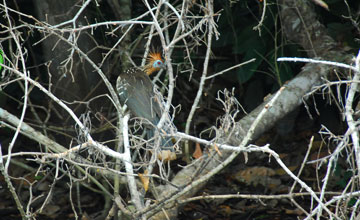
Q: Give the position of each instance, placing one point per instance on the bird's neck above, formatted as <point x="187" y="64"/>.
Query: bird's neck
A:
<point x="149" y="69"/>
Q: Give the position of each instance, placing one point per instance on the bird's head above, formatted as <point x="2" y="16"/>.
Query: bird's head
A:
<point x="154" y="63"/>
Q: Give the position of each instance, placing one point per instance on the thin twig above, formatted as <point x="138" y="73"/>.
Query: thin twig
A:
<point x="202" y="80"/>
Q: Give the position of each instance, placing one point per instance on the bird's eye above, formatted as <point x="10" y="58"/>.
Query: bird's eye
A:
<point x="157" y="64"/>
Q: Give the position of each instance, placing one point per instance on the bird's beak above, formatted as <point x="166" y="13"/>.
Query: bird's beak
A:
<point x="163" y="66"/>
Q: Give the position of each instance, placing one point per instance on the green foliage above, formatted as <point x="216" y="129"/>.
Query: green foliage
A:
<point x="343" y="175"/>
<point x="1" y="58"/>
<point x="240" y="40"/>
<point x="38" y="177"/>
<point x="352" y="201"/>
<point x="250" y="45"/>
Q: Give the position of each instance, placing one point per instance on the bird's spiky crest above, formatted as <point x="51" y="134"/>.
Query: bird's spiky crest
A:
<point x="152" y="57"/>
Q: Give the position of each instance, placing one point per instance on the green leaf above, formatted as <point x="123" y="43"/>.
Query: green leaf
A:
<point x="1" y="58"/>
<point x="352" y="202"/>
<point x="250" y="45"/>
<point x="244" y="73"/>
<point x="38" y="177"/>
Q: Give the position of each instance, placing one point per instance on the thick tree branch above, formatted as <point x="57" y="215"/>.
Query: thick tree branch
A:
<point x="312" y="36"/>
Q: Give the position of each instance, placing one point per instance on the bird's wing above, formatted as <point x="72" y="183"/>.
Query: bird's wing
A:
<point x="140" y="97"/>
<point x="137" y="92"/>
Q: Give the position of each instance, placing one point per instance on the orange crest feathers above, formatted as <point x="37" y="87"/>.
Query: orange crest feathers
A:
<point x="153" y="57"/>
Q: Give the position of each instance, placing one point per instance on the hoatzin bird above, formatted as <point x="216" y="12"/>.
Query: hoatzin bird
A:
<point x="136" y="90"/>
